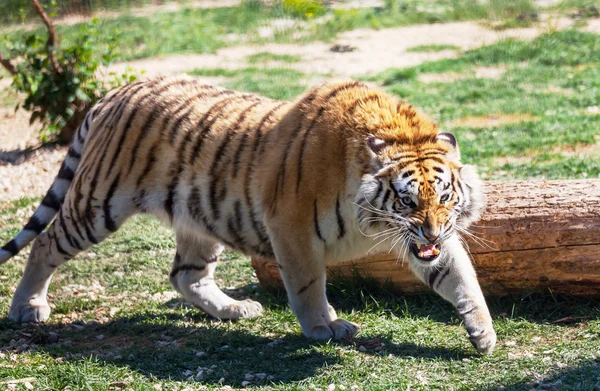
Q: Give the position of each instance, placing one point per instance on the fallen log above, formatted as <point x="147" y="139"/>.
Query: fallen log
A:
<point x="538" y="236"/>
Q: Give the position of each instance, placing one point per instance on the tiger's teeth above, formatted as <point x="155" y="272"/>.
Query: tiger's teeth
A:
<point x="421" y="254"/>
<point x="435" y="251"/>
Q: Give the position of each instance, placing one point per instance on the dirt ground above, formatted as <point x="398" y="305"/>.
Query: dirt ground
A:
<point x="30" y="173"/>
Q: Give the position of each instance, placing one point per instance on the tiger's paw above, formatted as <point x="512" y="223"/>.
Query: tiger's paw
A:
<point x="483" y="340"/>
<point x="243" y="309"/>
<point x="339" y="329"/>
<point x="34" y="310"/>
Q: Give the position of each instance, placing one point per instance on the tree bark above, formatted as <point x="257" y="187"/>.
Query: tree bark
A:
<point x="538" y="236"/>
<point x="52" y="38"/>
<point x="8" y="65"/>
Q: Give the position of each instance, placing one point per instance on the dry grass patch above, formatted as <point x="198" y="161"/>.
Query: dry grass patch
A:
<point x="492" y="120"/>
<point x="579" y="150"/>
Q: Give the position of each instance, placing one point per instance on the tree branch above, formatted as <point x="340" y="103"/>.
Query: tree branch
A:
<point x="52" y="39"/>
<point x="8" y="65"/>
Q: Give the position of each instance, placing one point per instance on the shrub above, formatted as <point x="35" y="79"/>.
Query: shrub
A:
<point x="61" y="83"/>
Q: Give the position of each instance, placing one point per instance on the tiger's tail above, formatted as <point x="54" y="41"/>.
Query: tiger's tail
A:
<point x="52" y="202"/>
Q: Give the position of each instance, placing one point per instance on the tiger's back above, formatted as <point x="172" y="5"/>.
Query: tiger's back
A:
<point x="183" y="151"/>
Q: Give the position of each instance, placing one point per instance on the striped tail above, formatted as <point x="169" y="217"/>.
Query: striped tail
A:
<point x="52" y="202"/>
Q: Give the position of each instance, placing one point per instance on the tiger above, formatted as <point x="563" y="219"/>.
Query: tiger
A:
<point x="343" y="170"/>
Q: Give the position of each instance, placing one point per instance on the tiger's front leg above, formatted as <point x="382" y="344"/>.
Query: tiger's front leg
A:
<point x="454" y="279"/>
<point x="304" y="277"/>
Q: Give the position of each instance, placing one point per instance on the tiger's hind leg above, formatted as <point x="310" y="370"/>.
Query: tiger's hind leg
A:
<point x="192" y="275"/>
<point x="66" y="237"/>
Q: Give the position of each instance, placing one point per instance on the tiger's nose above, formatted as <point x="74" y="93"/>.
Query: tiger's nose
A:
<point x="430" y="235"/>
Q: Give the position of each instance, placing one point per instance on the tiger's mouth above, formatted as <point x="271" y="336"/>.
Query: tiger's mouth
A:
<point x="426" y="252"/>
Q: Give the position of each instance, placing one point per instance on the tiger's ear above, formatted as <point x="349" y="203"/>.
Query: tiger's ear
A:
<point x="379" y="163"/>
<point x="449" y="138"/>
<point x="375" y="144"/>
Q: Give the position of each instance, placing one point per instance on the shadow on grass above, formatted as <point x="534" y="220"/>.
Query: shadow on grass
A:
<point x="175" y="347"/>
<point x="368" y="295"/>
<point x="585" y="377"/>
<point x="19" y="156"/>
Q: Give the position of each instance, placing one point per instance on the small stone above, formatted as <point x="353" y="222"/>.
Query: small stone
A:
<point x="77" y="326"/>
<point x="200" y="354"/>
<point x="221" y="380"/>
<point x="331" y="387"/>
<point x="157" y="386"/>
<point x="245" y="383"/>
<point x="199" y="375"/>
<point x="248" y="377"/>
<point x="260" y="376"/>
<point x="100" y="337"/>
<point x="53" y="337"/>
<point x="187" y="373"/>
<point x="224" y="347"/>
<point x="361" y="348"/>
<point x="270" y="378"/>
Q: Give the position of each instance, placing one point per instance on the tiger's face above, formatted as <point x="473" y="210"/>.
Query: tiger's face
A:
<point x="421" y="195"/>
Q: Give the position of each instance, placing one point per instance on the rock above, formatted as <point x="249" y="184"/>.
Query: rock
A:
<point x="245" y="383"/>
<point x="53" y="337"/>
<point x="260" y="376"/>
<point x="248" y="377"/>
<point x="199" y="375"/>
<point x="200" y="354"/>
<point x="361" y="348"/>
<point x="100" y="337"/>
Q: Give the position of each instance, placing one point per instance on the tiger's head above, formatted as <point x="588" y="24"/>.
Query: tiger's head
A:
<point x="419" y="194"/>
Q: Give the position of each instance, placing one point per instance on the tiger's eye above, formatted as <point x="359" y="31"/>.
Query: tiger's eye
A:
<point x="407" y="201"/>
<point x="444" y="198"/>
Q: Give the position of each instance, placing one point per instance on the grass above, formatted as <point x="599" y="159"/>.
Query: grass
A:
<point x="121" y="327"/>
<point x="275" y="83"/>
<point x="432" y="48"/>
<point x="265" y="57"/>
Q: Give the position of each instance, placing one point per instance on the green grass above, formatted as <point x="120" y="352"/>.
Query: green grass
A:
<point x="275" y="83"/>
<point x="432" y="48"/>
<point x="553" y="80"/>
<point x="119" y="326"/>
<point x="263" y="57"/>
